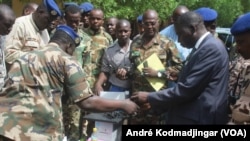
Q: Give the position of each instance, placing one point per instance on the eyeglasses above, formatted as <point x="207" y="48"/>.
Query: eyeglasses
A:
<point x="153" y="23"/>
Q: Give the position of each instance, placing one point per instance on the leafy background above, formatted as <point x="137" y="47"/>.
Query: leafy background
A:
<point x="228" y="10"/>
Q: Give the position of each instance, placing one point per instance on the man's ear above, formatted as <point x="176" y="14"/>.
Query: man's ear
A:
<point x="26" y="11"/>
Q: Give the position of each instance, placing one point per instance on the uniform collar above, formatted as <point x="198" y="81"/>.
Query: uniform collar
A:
<point x="33" y="22"/>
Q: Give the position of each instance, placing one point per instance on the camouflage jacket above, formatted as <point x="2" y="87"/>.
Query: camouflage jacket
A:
<point x="84" y="44"/>
<point x="93" y="53"/>
<point x="238" y="71"/>
<point x="164" y="48"/>
<point x="31" y="100"/>
<point x="239" y="90"/>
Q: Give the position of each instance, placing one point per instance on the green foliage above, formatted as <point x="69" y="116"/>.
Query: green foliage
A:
<point x="228" y="10"/>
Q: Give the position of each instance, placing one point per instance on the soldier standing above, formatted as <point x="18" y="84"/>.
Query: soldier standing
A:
<point x="239" y="87"/>
<point x="71" y="113"/>
<point x="29" y="32"/>
<point x="100" y="40"/>
<point x="31" y="100"/>
<point x="144" y="46"/>
<point x="115" y="62"/>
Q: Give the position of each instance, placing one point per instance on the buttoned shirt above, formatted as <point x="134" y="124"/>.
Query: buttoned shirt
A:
<point x="115" y="57"/>
<point x="24" y="37"/>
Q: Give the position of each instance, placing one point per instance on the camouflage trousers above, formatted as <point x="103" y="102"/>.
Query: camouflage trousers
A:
<point x="73" y="125"/>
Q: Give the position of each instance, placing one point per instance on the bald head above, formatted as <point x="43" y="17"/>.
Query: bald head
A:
<point x="7" y="17"/>
<point x="179" y="10"/>
<point x="189" y="18"/>
<point x="96" y="12"/>
<point x="29" y="8"/>
<point x="150" y="14"/>
<point x="189" y="28"/>
<point x="150" y="23"/>
<point x="123" y="23"/>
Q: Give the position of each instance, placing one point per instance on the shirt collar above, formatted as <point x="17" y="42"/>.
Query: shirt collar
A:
<point x="33" y="22"/>
<point x="118" y="48"/>
<point x="200" y="40"/>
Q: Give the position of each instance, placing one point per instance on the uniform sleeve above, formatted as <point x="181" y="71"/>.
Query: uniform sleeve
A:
<point x="174" y="62"/>
<point x="75" y="81"/>
<point x="78" y="52"/>
<point x="14" y="43"/>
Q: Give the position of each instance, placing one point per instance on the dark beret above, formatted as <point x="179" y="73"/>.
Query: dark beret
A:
<point x="139" y="19"/>
<point x="241" y="25"/>
<point x="207" y="14"/>
<point x="86" y="7"/>
<point x="52" y="7"/>
<point x="74" y="36"/>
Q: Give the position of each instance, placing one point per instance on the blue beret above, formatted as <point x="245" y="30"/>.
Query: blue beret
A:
<point x="69" y="3"/>
<point x="70" y="31"/>
<point x="86" y="7"/>
<point x="52" y="7"/>
<point x="139" y="19"/>
<point x="241" y="25"/>
<point x="207" y="14"/>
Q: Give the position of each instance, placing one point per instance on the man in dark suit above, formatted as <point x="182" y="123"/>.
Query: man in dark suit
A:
<point x="200" y="96"/>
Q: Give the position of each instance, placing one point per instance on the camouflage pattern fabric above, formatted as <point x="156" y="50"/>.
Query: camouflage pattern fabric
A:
<point x="30" y="103"/>
<point x="85" y="43"/>
<point x="239" y="89"/>
<point x="92" y="59"/>
<point x="93" y="53"/>
<point x="170" y="58"/>
<point x="71" y="119"/>
<point x="71" y="112"/>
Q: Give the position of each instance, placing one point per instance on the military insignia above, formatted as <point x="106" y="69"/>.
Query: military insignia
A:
<point x="53" y="12"/>
<point x="77" y="40"/>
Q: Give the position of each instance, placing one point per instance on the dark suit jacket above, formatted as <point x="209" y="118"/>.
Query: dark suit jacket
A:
<point x="200" y="96"/>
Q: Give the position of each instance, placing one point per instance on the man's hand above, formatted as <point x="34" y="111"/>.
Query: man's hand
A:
<point x="98" y="89"/>
<point x="121" y="73"/>
<point x="140" y="97"/>
<point x="150" y="72"/>
<point x="130" y="107"/>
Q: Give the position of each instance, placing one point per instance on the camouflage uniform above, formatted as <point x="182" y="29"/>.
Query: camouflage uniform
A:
<point x="71" y="112"/>
<point x="239" y="91"/>
<point x="31" y="101"/>
<point x="170" y="58"/>
<point x="92" y="60"/>
<point x="3" y="70"/>
<point x="92" y="54"/>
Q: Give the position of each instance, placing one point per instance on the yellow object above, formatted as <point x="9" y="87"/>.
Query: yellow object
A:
<point x="94" y="130"/>
<point x="93" y="136"/>
<point x="155" y="63"/>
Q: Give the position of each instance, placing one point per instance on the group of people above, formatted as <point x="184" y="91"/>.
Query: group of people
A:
<point x="55" y="64"/>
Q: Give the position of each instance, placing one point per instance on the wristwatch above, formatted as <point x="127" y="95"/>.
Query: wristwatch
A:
<point x="159" y="74"/>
